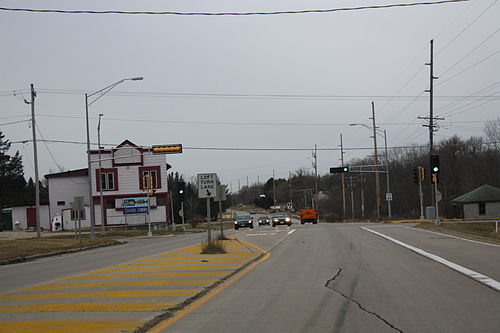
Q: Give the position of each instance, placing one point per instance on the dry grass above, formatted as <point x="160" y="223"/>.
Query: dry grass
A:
<point x="214" y="246"/>
<point x="476" y="231"/>
<point x="19" y="248"/>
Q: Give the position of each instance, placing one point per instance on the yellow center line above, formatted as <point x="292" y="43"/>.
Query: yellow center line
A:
<point x="101" y="294"/>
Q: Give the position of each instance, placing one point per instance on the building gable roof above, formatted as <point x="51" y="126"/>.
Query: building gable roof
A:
<point x="484" y="193"/>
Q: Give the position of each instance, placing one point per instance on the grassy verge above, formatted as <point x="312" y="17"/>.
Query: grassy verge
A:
<point x="484" y="232"/>
<point x="20" y="248"/>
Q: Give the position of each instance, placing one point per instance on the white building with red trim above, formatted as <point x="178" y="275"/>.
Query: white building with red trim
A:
<point x="122" y="170"/>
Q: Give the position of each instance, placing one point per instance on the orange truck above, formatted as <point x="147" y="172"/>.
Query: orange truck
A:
<point x="308" y="215"/>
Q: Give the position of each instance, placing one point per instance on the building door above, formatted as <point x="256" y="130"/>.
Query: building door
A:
<point x="31" y="215"/>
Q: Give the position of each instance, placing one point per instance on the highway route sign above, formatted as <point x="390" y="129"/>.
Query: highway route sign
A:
<point x="207" y="185"/>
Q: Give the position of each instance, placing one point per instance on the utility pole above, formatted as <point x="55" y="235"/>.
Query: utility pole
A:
<point x="352" y="197"/>
<point x="431" y="99"/>
<point x="274" y="192"/>
<point x="389" y="210"/>
<point x="35" y="159"/>
<point x="377" y="178"/>
<point x="101" y="199"/>
<point x="315" y="166"/>
<point x="362" y="186"/>
<point x="343" y="176"/>
<point x="290" y="185"/>
<point x="431" y="118"/>
<point x="248" y="185"/>
<point x="420" y="193"/>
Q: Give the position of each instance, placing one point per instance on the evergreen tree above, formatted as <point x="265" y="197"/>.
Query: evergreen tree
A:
<point x="12" y="182"/>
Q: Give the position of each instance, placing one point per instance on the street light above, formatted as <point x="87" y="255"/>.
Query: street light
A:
<point x="378" y="131"/>
<point x="99" y="94"/>
<point x="103" y="229"/>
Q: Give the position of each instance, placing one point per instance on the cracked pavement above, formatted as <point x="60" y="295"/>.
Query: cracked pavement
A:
<point x="329" y="284"/>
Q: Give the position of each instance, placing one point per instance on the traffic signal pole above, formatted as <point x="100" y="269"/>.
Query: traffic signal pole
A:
<point x="420" y="193"/>
<point x="182" y="216"/>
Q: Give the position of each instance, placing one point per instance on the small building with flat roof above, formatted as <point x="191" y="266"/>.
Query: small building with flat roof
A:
<point x="483" y="202"/>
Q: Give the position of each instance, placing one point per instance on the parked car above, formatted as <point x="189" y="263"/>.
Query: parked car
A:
<point x="264" y="220"/>
<point x="252" y="212"/>
<point x="243" y="221"/>
<point x="281" y="219"/>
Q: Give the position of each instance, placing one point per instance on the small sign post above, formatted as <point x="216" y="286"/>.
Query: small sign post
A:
<point x="207" y="188"/>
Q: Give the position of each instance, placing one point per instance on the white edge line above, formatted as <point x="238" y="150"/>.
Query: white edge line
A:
<point x="465" y="239"/>
<point x="470" y="273"/>
<point x="291" y="231"/>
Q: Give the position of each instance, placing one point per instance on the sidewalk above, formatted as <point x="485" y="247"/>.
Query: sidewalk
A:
<point x="123" y="297"/>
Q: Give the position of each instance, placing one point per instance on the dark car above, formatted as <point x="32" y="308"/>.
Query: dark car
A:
<point x="281" y="219"/>
<point x="264" y="220"/>
<point x="243" y="221"/>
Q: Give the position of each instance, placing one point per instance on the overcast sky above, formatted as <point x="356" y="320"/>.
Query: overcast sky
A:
<point x="349" y="58"/>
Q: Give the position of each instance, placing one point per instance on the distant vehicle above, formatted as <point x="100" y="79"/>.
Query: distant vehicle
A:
<point x="308" y="215"/>
<point x="252" y="212"/>
<point x="243" y="221"/>
<point x="264" y="220"/>
<point x="281" y="219"/>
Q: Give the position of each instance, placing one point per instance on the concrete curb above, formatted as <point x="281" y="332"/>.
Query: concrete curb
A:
<point x="56" y="253"/>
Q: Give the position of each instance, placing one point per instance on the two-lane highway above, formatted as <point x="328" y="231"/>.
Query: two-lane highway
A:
<point x="342" y="278"/>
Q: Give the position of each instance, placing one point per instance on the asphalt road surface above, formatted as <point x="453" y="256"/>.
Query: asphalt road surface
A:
<point x="342" y="278"/>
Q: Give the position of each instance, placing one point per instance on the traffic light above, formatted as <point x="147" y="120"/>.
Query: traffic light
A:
<point x="422" y="173"/>
<point x="434" y="163"/>
<point x="181" y="189"/>
<point x="166" y="149"/>
<point x="416" y="175"/>
<point x="147" y="184"/>
<point x="434" y="166"/>
<point x="343" y="169"/>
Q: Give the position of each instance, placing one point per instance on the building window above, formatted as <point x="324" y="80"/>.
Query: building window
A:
<point x="108" y="179"/>
<point x="61" y="203"/>
<point x="482" y="208"/>
<point x="155" y="174"/>
<point x="111" y="203"/>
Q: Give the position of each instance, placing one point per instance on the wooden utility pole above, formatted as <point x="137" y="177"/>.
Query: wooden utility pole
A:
<point x="35" y="159"/>
<point x="377" y="178"/>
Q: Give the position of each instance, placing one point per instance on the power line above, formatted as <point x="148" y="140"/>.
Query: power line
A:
<point x="482" y="90"/>
<point x="470" y="103"/>
<point x="284" y="12"/>
<point x="470" y="67"/>
<point x="470" y="52"/>
<point x="243" y="95"/>
<point x="16" y="122"/>
<point x="467" y="27"/>
<point x="233" y="148"/>
<point x="232" y="123"/>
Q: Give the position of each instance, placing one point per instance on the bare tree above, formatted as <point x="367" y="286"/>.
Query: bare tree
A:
<point x="492" y="131"/>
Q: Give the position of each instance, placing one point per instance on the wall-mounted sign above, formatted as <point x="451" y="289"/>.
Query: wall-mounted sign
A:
<point x="135" y="205"/>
